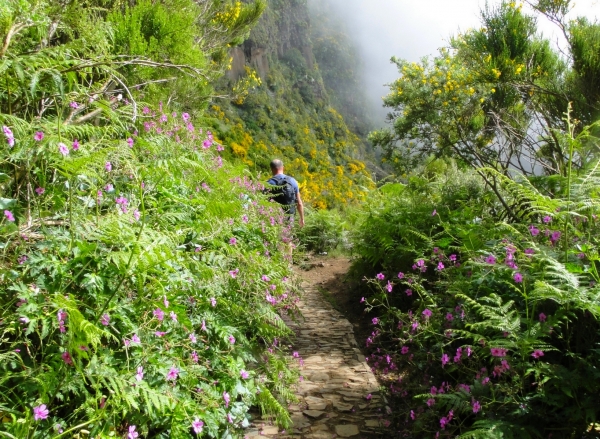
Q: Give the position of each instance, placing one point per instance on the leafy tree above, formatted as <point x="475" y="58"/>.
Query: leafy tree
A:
<point x="494" y="98"/>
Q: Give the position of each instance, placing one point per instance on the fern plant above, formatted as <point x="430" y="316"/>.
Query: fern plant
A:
<point x="487" y="328"/>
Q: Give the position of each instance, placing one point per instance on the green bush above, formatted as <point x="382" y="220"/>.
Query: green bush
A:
<point x="483" y="328"/>
<point x="130" y="251"/>
<point x="126" y="260"/>
<point x="325" y="231"/>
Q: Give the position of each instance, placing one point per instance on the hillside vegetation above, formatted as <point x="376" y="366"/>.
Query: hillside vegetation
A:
<point x="131" y="250"/>
<point x="289" y="112"/>
<point x="483" y="258"/>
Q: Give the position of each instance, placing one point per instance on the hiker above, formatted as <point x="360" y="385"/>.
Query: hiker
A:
<point x="287" y="191"/>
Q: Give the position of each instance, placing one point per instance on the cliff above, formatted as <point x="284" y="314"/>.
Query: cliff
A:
<point x="290" y="115"/>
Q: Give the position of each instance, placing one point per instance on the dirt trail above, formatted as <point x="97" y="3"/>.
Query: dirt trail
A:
<point x="338" y="394"/>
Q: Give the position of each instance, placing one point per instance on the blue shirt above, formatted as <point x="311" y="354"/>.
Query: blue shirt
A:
<point x="274" y="180"/>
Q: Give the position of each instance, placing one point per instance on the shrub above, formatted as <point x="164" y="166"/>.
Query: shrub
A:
<point x="324" y="231"/>
<point x="484" y="328"/>
<point x="128" y="269"/>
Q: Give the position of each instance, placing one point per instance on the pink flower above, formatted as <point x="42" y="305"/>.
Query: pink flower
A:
<point x="226" y="398"/>
<point x="234" y="273"/>
<point x="529" y="251"/>
<point x="185" y="117"/>
<point x="449" y="316"/>
<point x="400" y="275"/>
<point x="66" y="357"/>
<point x="231" y="339"/>
<point x="362" y="300"/>
<point x="440" y="266"/>
<point x="245" y="375"/>
<point x="427" y="313"/>
<point x="173" y="374"/>
<point x="430" y="402"/>
<point x="368" y="397"/>
<point x="75" y="145"/>
<point x="404" y="350"/>
<point x="490" y="260"/>
<point x="476" y="406"/>
<point x="534" y="230"/>
<point x="10" y="138"/>
<point x="434" y="213"/>
<point x="130" y="142"/>
<point x="412" y="415"/>
<point x="213" y="302"/>
<point x="197" y="424"/>
<point x="409" y="292"/>
<point x="194" y="356"/>
<point x="62" y="148"/>
<point x="173" y="316"/>
<point x="40" y="412"/>
<point x="389" y="287"/>
<point x="445" y="359"/>
<point x="443" y="422"/>
<point x="105" y="320"/>
<point x="38" y="136"/>
<point x="9" y="216"/>
<point x="518" y="277"/>
<point x="140" y="373"/>
<point x="498" y="352"/>
<point x="193" y="338"/>
<point x="160" y="333"/>
<point x="159" y="314"/>
<point x="537" y="353"/>
<point x="136" y="214"/>
<point x="40" y="190"/>
<point x="132" y="433"/>
<point x="74" y="105"/>
<point x="233" y="241"/>
<point x="380" y="276"/>
<point x="203" y="327"/>
<point x="542" y="317"/>
<point x="375" y="320"/>
<point x="108" y="166"/>
<point x="547" y="219"/>
<point x="229" y="418"/>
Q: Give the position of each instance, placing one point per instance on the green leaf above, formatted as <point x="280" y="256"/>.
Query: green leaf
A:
<point x="7" y="203"/>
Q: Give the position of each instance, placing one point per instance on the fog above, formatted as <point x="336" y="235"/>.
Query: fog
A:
<point x="411" y="29"/>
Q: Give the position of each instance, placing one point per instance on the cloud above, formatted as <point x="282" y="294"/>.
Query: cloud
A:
<point x="411" y="29"/>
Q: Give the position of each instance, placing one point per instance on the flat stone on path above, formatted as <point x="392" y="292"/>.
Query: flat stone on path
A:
<point x="313" y="413"/>
<point x="346" y="430"/>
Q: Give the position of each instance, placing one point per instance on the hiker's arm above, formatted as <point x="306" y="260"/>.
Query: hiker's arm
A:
<point x="300" y="208"/>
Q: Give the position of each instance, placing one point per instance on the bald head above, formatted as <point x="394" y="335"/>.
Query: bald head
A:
<point x="276" y="166"/>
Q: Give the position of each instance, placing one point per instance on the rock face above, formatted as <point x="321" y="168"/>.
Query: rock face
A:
<point x="333" y="393"/>
<point x="283" y="28"/>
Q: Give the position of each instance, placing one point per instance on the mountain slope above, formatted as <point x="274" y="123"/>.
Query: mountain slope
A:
<point x="289" y="113"/>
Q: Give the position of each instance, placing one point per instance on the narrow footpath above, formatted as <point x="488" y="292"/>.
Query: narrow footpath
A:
<point x="338" y="393"/>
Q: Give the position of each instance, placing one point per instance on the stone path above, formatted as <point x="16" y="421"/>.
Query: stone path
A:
<point x="338" y="394"/>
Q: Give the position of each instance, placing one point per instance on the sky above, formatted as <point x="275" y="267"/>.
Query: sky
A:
<point x="411" y="29"/>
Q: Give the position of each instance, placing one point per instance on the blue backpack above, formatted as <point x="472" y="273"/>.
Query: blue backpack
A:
<point x="284" y="193"/>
